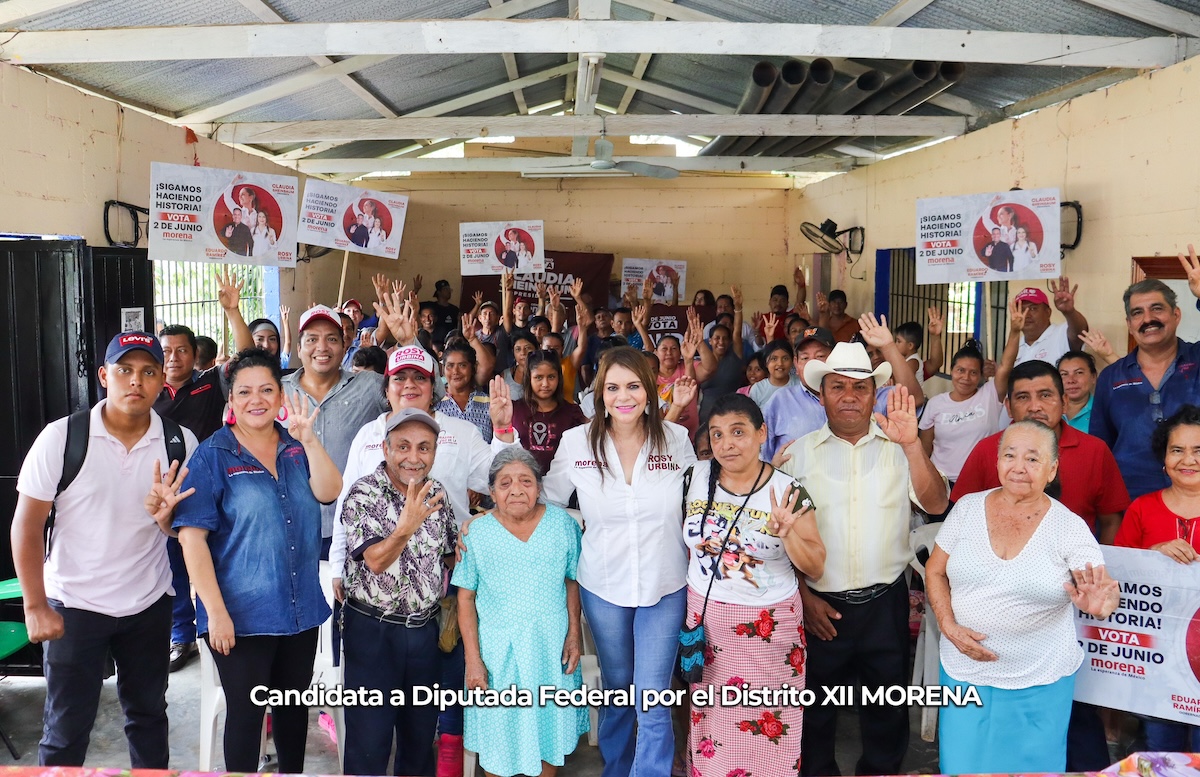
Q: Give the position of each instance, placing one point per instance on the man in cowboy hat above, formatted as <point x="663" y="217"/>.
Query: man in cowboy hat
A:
<point x="862" y="472"/>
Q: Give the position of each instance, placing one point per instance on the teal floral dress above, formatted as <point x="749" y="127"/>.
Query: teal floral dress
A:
<point x="521" y="601"/>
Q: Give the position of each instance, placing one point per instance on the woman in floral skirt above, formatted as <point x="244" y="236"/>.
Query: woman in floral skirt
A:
<point x="749" y="529"/>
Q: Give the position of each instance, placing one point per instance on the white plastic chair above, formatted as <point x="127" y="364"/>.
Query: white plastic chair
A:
<point x="212" y="695"/>
<point x="926" y="661"/>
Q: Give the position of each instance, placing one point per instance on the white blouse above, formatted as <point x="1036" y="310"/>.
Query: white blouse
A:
<point x="633" y="553"/>
<point x="1019" y="603"/>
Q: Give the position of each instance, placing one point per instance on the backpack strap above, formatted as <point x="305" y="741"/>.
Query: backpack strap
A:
<point x="78" y="432"/>
<point x="176" y="447"/>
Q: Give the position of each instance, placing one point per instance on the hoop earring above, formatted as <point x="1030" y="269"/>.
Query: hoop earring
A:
<point x="282" y="415"/>
<point x="647" y="411"/>
<point x="230" y="418"/>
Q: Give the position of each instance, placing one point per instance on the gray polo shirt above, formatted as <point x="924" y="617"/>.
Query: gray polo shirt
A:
<point x="356" y="400"/>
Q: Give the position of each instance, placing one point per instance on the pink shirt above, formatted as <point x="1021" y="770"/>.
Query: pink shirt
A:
<point x="666" y="388"/>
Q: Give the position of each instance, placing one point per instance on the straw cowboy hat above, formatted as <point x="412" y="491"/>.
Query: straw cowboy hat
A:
<point x="849" y="360"/>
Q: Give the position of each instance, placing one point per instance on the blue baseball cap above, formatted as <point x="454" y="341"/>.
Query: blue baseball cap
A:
<point x="133" y="341"/>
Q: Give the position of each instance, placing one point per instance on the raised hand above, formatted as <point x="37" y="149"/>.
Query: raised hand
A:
<point x="1095" y="339"/>
<point x="418" y="281"/>
<point x="798" y="277"/>
<point x="468" y="326"/>
<point x="1191" y="266"/>
<point x="769" y="322"/>
<point x="284" y="315"/>
<point x="937" y="324"/>
<point x="1064" y="293"/>
<point x="693" y="318"/>
<point x="478" y="297"/>
<point x="500" y="406"/>
<point x="736" y="293"/>
<point x="1093" y="591"/>
<point x="648" y="288"/>
<point x="229" y="290"/>
<point x="756" y="321"/>
<point x="577" y="289"/>
<point x="801" y="309"/>
<point x="398" y="289"/>
<point x="1016" y="315"/>
<point x="300" y="418"/>
<point x="398" y="314"/>
<point x="786" y="512"/>
<point x="508" y="280"/>
<point x="164" y="494"/>
<point x="380" y="282"/>
<point x="553" y="297"/>
<point x="900" y="423"/>
<point x="641" y="315"/>
<point x="541" y="289"/>
<point x="417" y="507"/>
<point x="684" y="391"/>
<point x="822" y="303"/>
<point x="875" y="331"/>
<point x="584" y="318"/>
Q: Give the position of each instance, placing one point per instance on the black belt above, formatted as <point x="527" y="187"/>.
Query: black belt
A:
<point x="862" y="595"/>
<point x="408" y="621"/>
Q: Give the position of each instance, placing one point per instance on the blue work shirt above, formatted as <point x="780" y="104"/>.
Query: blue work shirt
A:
<point x="794" y="411"/>
<point x="1126" y="409"/>
<point x="264" y="534"/>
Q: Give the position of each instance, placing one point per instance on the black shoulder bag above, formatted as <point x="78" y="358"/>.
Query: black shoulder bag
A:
<point x="692" y="644"/>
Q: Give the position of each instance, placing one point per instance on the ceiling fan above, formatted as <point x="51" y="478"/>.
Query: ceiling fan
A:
<point x="828" y="237"/>
<point x="602" y="161"/>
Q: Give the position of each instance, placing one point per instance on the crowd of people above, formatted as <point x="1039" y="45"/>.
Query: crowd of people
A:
<point x="742" y="495"/>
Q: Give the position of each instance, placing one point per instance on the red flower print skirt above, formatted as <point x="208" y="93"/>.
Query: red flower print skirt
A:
<point x="760" y="647"/>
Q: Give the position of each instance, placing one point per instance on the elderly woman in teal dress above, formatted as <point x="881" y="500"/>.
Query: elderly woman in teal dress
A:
<point x="519" y="613"/>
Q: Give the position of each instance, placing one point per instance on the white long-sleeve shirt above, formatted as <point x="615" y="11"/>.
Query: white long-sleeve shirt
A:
<point x="633" y="553"/>
<point x="461" y="462"/>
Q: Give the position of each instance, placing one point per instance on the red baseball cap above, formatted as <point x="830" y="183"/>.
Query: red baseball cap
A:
<point x="320" y="313"/>
<point x="1032" y="296"/>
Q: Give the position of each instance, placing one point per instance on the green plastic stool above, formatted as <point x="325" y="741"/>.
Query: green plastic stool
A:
<point x="10" y="589"/>
<point x="13" y="637"/>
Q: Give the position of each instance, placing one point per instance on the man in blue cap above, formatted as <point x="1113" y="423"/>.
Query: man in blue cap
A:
<point x="100" y="583"/>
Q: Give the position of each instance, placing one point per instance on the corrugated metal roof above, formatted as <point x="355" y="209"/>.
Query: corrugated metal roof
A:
<point x="414" y="82"/>
<point x="182" y="86"/>
<point x="99" y="14"/>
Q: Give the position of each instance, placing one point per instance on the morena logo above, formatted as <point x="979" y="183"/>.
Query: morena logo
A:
<point x="136" y="339"/>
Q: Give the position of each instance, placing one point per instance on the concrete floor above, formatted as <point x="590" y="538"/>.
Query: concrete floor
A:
<point x="21" y="701"/>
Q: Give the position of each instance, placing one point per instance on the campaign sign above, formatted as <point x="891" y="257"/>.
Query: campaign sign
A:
<point x="493" y="247"/>
<point x="349" y="218"/>
<point x="989" y="237"/>
<point x="1145" y="657"/>
<point x="205" y="214"/>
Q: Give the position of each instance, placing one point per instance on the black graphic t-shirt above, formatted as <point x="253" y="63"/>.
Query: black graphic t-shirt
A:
<point x="540" y="432"/>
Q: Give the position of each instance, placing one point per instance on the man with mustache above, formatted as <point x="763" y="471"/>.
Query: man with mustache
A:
<point x="1156" y="378"/>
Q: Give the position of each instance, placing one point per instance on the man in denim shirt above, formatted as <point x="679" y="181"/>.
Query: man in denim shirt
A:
<point x="401" y="535"/>
<point x="1135" y="393"/>
<point x="347" y="400"/>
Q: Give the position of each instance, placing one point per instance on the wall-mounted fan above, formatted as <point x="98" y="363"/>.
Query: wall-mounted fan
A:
<point x="828" y="237"/>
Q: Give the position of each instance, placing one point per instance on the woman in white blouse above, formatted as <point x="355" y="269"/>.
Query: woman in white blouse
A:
<point x="1009" y="567"/>
<point x="627" y="466"/>
<point x="264" y="236"/>
<point x="1024" y="250"/>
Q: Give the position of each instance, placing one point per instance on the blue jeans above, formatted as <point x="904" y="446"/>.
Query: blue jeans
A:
<point x="1167" y="736"/>
<point x="636" y="646"/>
<point x="183" y="609"/>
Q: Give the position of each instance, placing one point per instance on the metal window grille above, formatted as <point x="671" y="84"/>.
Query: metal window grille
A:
<point x="186" y="293"/>
<point x="962" y="305"/>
